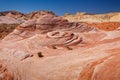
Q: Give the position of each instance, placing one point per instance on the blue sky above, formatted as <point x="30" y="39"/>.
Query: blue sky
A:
<point x="61" y="7"/>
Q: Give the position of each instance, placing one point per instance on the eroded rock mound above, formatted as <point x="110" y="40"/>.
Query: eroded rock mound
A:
<point x="38" y="14"/>
<point x="69" y="50"/>
<point x="13" y="14"/>
<point x="15" y="17"/>
<point x="48" y="23"/>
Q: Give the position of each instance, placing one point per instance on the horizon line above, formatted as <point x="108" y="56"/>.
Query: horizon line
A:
<point x="58" y="14"/>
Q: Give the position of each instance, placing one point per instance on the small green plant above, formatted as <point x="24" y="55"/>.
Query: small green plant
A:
<point x="69" y="48"/>
<point x="40" y="54"/>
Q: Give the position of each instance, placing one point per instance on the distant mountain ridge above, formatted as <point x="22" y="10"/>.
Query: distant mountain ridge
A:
<point x="86" y="17"/>
<point x="16" y="17"/>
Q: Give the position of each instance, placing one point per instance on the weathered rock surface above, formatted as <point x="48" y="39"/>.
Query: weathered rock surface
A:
<point x="86" y="17"/>
<point x="107" y="26"/>
<point x="38" y="14"/>
<point x="15" y="17"/>
<point x="71" y="51"/>
<point x="12" y="17"/>
<point x="8" y="20"/>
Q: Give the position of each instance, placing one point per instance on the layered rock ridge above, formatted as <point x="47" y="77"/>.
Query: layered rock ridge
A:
<point x="53" y="48"/>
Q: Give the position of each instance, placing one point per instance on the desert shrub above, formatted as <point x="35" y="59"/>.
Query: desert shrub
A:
<point x="69" y="48"/>
<point x="40" y="54"/>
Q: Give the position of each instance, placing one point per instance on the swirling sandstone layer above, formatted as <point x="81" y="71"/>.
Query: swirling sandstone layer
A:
<point x="52" y="48"/>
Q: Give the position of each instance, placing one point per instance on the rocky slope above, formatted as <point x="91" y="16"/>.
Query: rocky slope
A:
<point x="107" y="26"/>
<point x="15" y="17"/>
<point x="86" y="17"/>
<point x="53" y="48"/>
<point x="10" y="19"/>
<point x="5" y="29"/>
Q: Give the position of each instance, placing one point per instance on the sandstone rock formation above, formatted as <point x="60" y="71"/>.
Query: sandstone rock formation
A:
<point x="12" y="17"/>
<point x="9" y="19"/>
<point x="38" y="14"/>
<point x="15" y="17"/>
<point x="86" y="17"/>
<point x="70" y="51"/>
<point x="5" y="29"/>
<point x="13" y="14"/>
<point x="107" y="26"/>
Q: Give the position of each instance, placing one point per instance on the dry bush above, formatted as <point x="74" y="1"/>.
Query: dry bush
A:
<point x="40" y="54"/>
